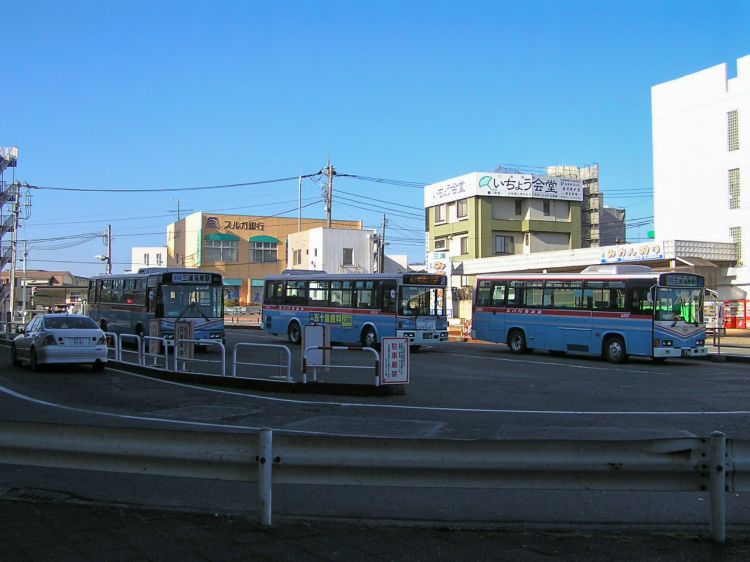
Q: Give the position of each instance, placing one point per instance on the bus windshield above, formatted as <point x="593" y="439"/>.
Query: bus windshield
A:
<point x="422" y="301"/>
<point x="675" y="304"/>
<point x="192" y="301"/>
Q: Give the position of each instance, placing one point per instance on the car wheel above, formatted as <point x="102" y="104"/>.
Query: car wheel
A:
<point x="517" y="341"/>
<point x="294" y="333"/>
<point x="97" y="366"/>
<point x="14" y="356"/>
<point x="369" y="338"/>
<point x="33" y="360"/>
<point x="614" y="349"/>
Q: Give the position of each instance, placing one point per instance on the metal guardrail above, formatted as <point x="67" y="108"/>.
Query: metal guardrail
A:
<point x="153" y="360"/>
<point x="183" y="358"/>
<point x="305" y="364"/>
<point x="712" y="464"/>
<point x="283" y="348"/>
<point x="115" y="347"/>
<point x="122" y="353"/>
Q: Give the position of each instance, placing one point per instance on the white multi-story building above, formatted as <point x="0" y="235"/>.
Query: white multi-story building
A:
<point x="334" y="250"/>
<point x="148" y="256"/>
<point x="701" y="158"/>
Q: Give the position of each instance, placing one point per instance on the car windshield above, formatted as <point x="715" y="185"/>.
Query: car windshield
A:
<point x="422" y="301"/>
<point x="683" y="304"/>
<point x="69" y="322"/>
<point x="192" y="301"/>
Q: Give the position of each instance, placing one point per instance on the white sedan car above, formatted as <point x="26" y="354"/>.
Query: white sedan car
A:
<point x="60" y="338"/>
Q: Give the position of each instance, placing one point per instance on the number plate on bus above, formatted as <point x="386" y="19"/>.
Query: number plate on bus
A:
<point x="686" y="353"/>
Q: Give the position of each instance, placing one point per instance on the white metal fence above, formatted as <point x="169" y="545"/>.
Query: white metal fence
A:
<point x="712" y="464"/>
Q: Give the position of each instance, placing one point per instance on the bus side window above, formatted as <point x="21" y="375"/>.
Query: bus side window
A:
<point x="483" y="293"/>
<point x="389" y="296"/>
<point x="498" y="294"/>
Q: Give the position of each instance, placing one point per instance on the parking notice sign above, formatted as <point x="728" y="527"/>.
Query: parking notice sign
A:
<point x="394" y="361"/>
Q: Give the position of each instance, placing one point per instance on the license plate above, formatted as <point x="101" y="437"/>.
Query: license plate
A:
<point x="686" y="353"/>
<point x="77" y="341"/>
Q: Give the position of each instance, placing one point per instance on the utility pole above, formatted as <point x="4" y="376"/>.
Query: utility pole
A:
<point x="109" y="249"/>
<point x="330" y="171"/>
<point x="299" y="204"/>
<point x="23" y="282"/>
<point x="381" y="254"/>
<point x="13" y="253"/>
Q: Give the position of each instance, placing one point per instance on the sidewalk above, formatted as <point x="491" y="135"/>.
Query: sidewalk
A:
<point x="80" y="532"/>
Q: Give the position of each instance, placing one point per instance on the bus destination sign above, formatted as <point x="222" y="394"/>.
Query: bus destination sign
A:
<point x="424" y="279"/>
<point x="191" y="278"/>
<point x="682" y="280"/>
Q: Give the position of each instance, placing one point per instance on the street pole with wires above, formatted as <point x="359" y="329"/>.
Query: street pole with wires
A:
<point x="330" y="171"/>
<point x="381" y="255"/>
<point x="109" y="249"/>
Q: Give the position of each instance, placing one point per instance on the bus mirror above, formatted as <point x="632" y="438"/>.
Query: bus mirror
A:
<point x="393" y="293"/>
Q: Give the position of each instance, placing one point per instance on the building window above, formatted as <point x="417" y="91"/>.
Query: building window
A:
<point x="347" y="258"/>
<point x="462" y="208"/>
<point x="503" y="244"/>
<point x="733" y="130"/>
<point x="519" y="207"/>
<point x="158" y="260"/>
<point x="441" y="243"/>
<point x="146" y="259"/>
<point x="546" y="207"/>
<point x="297" y="257"/>
<point x="735" y="233"/>
<point x="464" y="245"/>
<point x="263" y="252"/>
<point x="440" y="213"/>
<point x="734" y="188"/>
<point x="221" y="250"/>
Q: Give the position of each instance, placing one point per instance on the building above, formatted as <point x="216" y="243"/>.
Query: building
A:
<point x="592" y="204"/>
<point x="612" y="226"/>
<point x="244" y="249"/>
<point x="40" y="289"/>
<point x="701" y="153"/>
<point x="334" y="250"/>
<point x="148" y="256"/>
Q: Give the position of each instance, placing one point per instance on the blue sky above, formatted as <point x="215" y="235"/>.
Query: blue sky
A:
<point x="154" y="95"/>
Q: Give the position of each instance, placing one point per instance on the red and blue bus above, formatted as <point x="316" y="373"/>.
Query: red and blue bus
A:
<point x="611" y="311"/>
<point x="128" y="303"/>
<point x="359" y="308"/>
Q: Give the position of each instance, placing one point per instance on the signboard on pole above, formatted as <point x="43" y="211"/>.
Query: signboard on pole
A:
<point x="394" y="361"/>
<point x="317" y="335"/>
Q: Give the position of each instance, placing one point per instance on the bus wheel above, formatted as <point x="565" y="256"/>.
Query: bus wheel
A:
<point x="614" y="349"/>
<point x="369" y="339"/>
<point x="294" y="334"/>
<point x="517" y="341"/>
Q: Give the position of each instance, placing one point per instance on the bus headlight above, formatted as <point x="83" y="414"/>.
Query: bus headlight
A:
<point x="663" y="343"/>
<point x="700" y="342"/>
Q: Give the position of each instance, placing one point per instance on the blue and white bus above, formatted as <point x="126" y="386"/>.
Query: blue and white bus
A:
<point x="612" y="311"/>
<point x="359" y="308"/>
<point x="128" y="303"/>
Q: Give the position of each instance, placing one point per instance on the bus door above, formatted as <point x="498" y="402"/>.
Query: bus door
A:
<point x="488" y="323"/>
<point x="570" y="316"/>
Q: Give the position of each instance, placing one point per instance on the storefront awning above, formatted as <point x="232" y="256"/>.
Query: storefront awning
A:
<point x="218" y="236"/>
<point x="232" y="282"/>
<point x="264" y="238"/>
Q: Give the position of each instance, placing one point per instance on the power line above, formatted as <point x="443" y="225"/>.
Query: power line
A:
<point x="167" y="189"/>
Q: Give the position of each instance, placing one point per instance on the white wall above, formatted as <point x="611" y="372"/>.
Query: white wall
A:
<point x="692" y="160"/>
<point x="323" y="249"/>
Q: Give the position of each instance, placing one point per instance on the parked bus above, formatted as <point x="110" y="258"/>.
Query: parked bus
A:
<point x="612" y="311"/>
<point x="128" y="303"/>
<point x="359" y="308"/>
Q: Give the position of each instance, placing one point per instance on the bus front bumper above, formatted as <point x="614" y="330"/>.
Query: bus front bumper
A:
<point x="680" y="352"/>
<point x="423" y="338"/>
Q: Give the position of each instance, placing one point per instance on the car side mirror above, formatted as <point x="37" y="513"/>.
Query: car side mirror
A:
<point x="21" y="330"/>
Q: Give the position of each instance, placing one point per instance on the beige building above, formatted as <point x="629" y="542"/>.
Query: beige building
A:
<point x="244" y="249"/>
